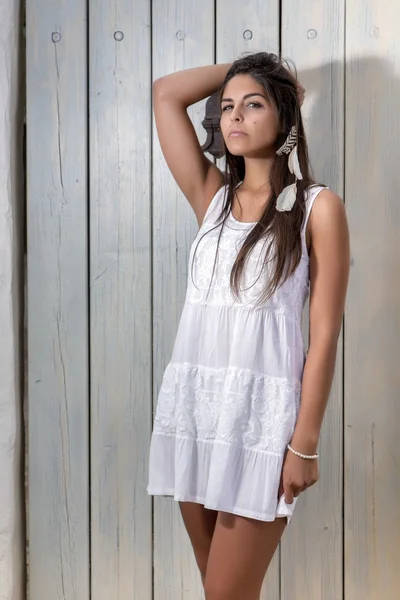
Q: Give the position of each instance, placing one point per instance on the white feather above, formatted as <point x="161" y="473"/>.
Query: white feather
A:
<point x="286" y="198"/>
<point x="293" y="163"/>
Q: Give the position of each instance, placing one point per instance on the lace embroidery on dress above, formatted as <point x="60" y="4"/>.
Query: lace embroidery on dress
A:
<point x="227" y="405"/>
<point x="288" y="298"/>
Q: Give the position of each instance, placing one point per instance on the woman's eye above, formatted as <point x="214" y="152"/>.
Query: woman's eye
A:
<point x="251" y="104"/>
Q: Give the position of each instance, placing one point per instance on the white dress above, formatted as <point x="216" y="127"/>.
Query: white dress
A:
<point x="230" y="395"/>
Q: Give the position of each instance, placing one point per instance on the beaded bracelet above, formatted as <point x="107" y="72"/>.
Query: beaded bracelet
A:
<point x="307" y="456"/>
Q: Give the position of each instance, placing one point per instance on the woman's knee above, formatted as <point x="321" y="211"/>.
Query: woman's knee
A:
<point x="216" y="588"/>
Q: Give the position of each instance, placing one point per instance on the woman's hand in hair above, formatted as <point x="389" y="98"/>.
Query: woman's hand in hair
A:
<point x="300" y="92"/>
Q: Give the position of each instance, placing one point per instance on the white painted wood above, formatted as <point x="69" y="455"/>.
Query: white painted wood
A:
<point x="126" y="281"/>
<point x="120" y="298"/>
<point x="12" y="552"/>
<point x="57" y="300"/>
<point x="175" y="227"/>
<point x="311" y="559"/>
<point x="250" y="26"/>
<point x="372" y="321"/>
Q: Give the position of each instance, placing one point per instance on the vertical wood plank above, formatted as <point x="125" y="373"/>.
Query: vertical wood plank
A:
<point x="12" y="278"/>
<point x="57" y="300"/>
<point x="183" y="37"/>
<point x="372" y="320"/>
<point x="311" y="559"/>
<point x="250" y="26"/>
<point x="120" y="298"/>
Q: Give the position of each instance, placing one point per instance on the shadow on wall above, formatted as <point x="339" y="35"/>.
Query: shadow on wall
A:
<point x="372" y="318"/>
<point x="371" y="193"/>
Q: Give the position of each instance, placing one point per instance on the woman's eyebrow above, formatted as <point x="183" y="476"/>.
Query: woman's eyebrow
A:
<point x="244" y="97"/>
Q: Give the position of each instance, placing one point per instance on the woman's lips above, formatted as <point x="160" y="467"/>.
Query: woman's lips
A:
<point x="236" y="133"/>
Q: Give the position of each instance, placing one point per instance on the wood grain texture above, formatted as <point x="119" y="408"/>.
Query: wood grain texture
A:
<point x="12" y="272"/>
<point x="372" y="321"/>
<point x="183" y="37"/>
<point x="139" y="245"/>
<point x="252" y="26"/>
<point x="311" y="559"/>
<point x="57" y="300"/>
<point x="120" y="298"/>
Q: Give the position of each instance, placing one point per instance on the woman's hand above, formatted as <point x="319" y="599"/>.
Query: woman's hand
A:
<point x="300" y="92"/>
<point x="298" y="474"/>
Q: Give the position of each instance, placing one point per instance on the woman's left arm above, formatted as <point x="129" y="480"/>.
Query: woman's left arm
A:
<point x="329" y="273"/>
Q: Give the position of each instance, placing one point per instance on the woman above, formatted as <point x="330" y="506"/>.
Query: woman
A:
<point x="241" y="405"/>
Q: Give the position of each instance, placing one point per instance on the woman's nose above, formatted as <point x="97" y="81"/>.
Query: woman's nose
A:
<point x="236" y="116"/>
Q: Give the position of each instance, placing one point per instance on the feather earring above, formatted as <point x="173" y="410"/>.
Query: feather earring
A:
<point x="287" y="197"/>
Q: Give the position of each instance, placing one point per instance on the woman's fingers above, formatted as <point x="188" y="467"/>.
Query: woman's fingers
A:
<point x="280" y="489"/>
<point x="300" y="92"/>
<point x="292" y="490"/>
<point x="287" y="488"/>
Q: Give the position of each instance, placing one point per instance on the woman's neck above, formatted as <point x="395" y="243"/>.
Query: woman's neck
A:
<point x="257" y="175"/>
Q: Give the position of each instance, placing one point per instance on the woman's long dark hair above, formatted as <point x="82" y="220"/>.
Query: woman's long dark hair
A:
<point x="282" y="229"/>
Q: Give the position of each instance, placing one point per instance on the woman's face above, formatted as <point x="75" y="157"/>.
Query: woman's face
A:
<point x="249" y="122"/>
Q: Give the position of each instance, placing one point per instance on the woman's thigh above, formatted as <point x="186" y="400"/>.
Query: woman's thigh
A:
<point x="200" y="524"/>
<point x="240" y="553"/>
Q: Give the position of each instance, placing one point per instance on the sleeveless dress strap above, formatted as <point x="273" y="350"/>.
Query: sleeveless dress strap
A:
<point x="312" y="193"/>
<point x="216" y="203"/>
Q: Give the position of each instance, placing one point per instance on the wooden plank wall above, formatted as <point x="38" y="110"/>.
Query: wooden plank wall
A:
<point x="372" y="320"/>
<point x="120" y="298"/>
<point x="57" y="300"/>
<point x="108" y="241"/>
<point x="311" y="554"/>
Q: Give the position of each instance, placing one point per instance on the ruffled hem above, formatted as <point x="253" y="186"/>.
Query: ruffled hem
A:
<point x="218" y="475"/>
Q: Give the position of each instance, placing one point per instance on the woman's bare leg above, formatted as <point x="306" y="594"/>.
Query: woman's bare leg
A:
<point x="200" y="524"/>
<point x="240" y="553"/>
